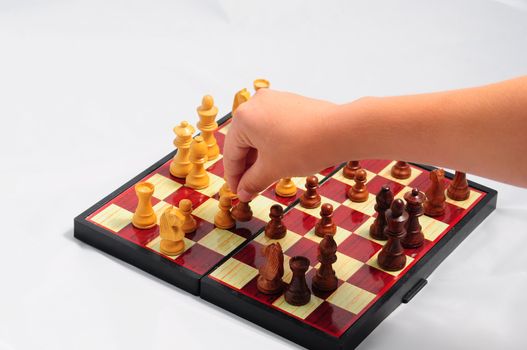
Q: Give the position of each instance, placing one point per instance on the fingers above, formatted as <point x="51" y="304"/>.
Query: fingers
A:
<point x="235" y="156"/>
<point x="253" y="181"/>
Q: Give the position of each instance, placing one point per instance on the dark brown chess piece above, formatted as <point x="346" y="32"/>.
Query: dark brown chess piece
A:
<point x="326" y="226"/>
<point x="401" y="170"/>
<point x="435" y="194"/>
<point x="242" y="211"/>
<point x="414" y="237"/>
<point x="458" y="189"/>
<point x="271" y="272"/>
<point x="325" y="279"/>
<point x="358" y="192"/>
<point x="310" y="198"/>
<point x="350" y="168"/>
<point x="297" y="292"/>
<point x="383" y="200"/>
<point x="392" y="257"/>
<point x="275" y="229"/>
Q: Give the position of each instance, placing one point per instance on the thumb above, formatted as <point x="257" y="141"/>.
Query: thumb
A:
<point x="254" y="180"/>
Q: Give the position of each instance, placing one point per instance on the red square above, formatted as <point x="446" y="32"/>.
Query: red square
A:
<point x="451" y="215"/>
<point x="374" y="165"/>
<point x="203" y="228"/>
<point x="248" y="228"/>
<point x="199" y="259"/>
<point x="251" y="254"/>
<point x="374" y="185"/>
<point x="252" y="290"/>
<point x="335" y="190"/>
<point x="184" y="192"/>
<point x="421" y="182"/>
<point x="348" y="218"/>
<point x="139" y="236"/>
<point x="299" y="222"/>
<point x="309" y="279"/>
<point x="371" y="279"/>
<point x="304" y="247"/>
<point x="417" y="253"/>
<point x="128" y="200"/>
<point x="331" y="318"/>
<point x="270" y="193"/>
<point x="359" y="248"/>
<point x="220" y="137"/>
<point x="217" y="168"/>
<point x="328" y="171"/>
<point x="165" y="171"/>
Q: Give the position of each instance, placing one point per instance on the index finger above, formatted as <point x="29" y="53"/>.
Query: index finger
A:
<point x="235" y="152"/>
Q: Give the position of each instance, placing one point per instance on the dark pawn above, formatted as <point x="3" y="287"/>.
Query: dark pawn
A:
<point x="358" y="193"/>
<point x="325" y="225"/>
<point x="392" y="257"/>
<point x="275" y="229"/>
<point x="349" y="170"/>
<point x="297" y="292"/>
<point x="271" y="272"/>
<point x="435" y="194"/>
<point x="310" y="198"/>
<point x="383" y="201"/>
<point x="242" y="211"/>
<point x="414" y="206"/>
<point x="401" y="170"/>
<point x="325" y="279"/>
<point x="458" y="189"/>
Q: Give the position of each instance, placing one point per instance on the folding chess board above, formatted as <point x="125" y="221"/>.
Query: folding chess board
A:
<point x="222" y="265"/>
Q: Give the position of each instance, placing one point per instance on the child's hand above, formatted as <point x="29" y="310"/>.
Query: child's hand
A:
<point x="274" y="135"/>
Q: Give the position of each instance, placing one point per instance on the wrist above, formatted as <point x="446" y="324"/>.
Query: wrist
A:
<point x="358" y="128"/>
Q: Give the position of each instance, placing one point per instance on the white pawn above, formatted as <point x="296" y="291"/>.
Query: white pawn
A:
<point x="223" y="218"/>
<point x="185" y="207"/>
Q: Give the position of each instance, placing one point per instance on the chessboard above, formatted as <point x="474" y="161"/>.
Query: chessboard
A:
<point x="108" y="224"/>
<point x="221" y="265"/>
<point x="365" y="293"/>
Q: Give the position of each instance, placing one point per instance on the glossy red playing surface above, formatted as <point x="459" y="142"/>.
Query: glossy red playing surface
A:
<point x="205" y="247"/>
<point x="361" y="281"/>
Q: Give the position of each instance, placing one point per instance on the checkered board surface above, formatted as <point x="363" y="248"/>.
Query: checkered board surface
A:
<point x="208" y="245"/>
<point x="361" y="281"/>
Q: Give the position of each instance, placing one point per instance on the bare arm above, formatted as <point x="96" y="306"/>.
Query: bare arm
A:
<point x="479" y="130"/>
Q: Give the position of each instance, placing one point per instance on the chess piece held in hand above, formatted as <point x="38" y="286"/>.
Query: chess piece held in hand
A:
<point x="242" y="212"/>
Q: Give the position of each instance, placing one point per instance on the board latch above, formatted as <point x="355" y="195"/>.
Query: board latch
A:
<point x="415" y="289"/>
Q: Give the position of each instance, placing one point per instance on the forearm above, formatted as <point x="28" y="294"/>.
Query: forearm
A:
<point x="480" y="130"/>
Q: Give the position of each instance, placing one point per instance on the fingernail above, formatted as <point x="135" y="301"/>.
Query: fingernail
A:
<point x="245" y="196"/>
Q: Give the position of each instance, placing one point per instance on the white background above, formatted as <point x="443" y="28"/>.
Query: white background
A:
<point x="89" y="93"/>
